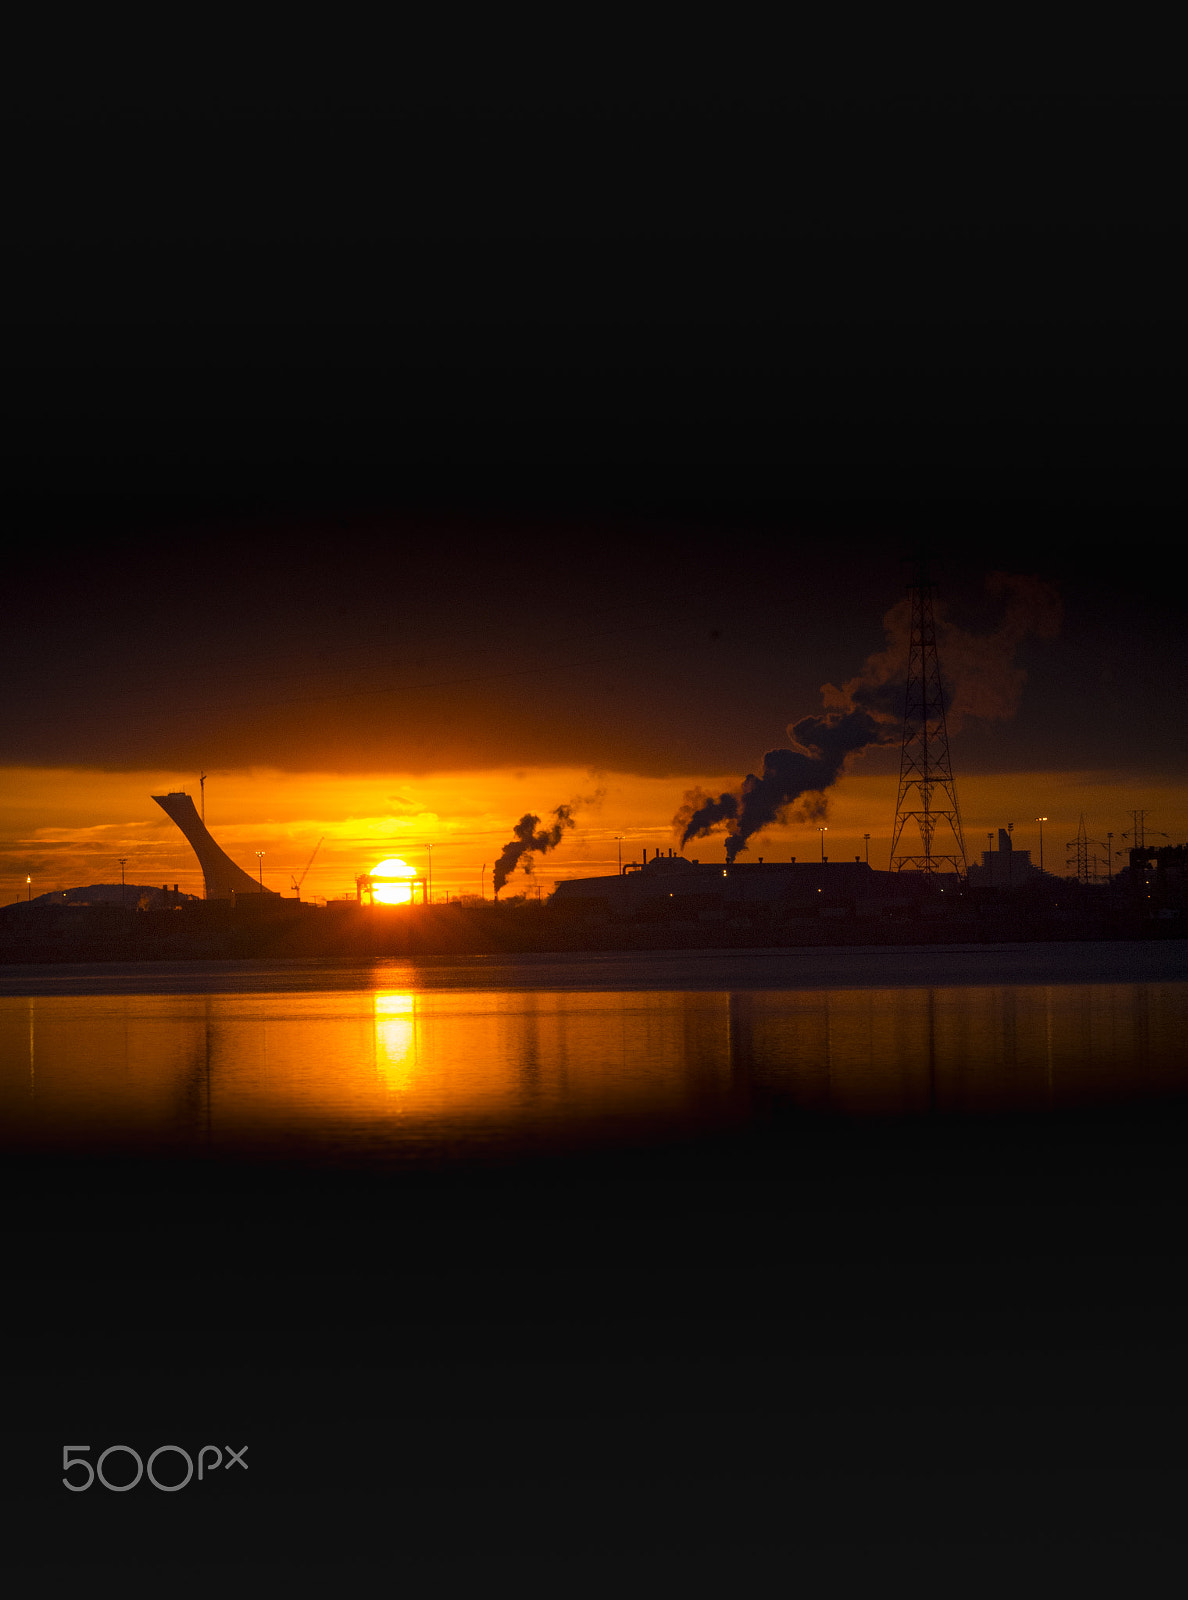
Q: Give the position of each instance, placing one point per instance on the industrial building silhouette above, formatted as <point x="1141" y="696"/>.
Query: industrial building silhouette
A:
<point x="674" y="886"/>
<point x="1006" y="867"/>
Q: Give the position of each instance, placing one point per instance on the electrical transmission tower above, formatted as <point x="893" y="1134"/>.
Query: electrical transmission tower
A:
<point x="1077" y="858"/>
<point x="927" y="793"/>
<point x="1082" y="858"/>
<point x="1138" y="833"/>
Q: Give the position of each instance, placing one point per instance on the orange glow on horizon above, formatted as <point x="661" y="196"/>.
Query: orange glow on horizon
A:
<point x="67" y="828"/>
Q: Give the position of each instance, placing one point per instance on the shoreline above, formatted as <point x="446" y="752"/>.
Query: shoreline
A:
<point x="202" y="931"/>
<point x="755" y="967"/>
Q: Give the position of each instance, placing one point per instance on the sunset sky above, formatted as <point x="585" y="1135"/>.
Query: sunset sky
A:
<point x="399" y="711"/>
<point x="411" y="473"/>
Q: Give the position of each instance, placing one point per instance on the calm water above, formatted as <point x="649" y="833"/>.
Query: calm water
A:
<point x="395" y="1059"/>
<point x="761" y="1346"/>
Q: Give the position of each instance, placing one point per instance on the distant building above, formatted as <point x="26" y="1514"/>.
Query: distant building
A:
<point x="1157" y="882"/>
<point x="1006" y="867"/>
<point x="670" y="886"/>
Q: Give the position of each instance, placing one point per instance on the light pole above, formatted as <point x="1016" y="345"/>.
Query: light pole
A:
<point x="483" y="883"/>
<point x="123" y="860"/>
<point x="619" y="845"/>
<point x="1041" y="821"/>
<point x="260" y="859"/>
<point x="866" y="846"/>
<point x="822" y="832"/>
<point x="29" y="889"/>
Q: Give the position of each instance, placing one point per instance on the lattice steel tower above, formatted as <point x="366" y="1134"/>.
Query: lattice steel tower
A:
<point x="1081" y="856"/>
<point x="927" y="793"/>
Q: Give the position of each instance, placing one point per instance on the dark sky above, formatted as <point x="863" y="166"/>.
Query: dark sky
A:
<point x="451" y="439"/>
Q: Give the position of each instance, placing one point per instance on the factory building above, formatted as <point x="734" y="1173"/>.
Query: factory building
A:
<point x="1157" y="883"/>
<point x="671" y="886"/>
<point x="1005" y="868"/>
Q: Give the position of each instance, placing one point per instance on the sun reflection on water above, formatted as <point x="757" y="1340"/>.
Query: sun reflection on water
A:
<point x="395" y="1039"/>
<point x="353" y="1068"/>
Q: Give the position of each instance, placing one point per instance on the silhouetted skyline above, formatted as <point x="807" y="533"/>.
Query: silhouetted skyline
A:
<point x="593" y="444"/>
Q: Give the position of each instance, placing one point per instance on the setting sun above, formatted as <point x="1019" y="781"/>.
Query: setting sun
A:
<point x="392" y="894"/>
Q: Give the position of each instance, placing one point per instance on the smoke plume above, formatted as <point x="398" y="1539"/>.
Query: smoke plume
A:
<point x="529" y="837"/>
<point x="982" y="679"/>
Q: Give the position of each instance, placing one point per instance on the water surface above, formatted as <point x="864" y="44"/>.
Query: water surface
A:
<point x="400" y="1061"/>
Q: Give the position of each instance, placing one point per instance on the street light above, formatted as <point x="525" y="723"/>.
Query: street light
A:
<point x="822" y="832"/>
<point x="123" y="861"/>
<point x="866" y="846"/>
<point x="483" y="883"/>
<point x="260" y="859"/>
<point x="1041" y="821"/>
<point x="619" y="846"/>
<point x="29" y="889"/>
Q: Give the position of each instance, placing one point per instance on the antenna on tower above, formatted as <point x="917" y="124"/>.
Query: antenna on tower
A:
<point x="927" y="793"/>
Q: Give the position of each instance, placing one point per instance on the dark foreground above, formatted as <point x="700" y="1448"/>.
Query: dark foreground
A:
<point x="275" y="928"/>
<point x="812" y="1353"/>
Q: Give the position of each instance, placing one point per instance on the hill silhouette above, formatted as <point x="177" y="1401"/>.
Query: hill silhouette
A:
<point x="146" y="896"/>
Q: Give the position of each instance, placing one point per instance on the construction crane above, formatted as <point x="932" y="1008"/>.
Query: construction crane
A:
<point x="297" y="882"/>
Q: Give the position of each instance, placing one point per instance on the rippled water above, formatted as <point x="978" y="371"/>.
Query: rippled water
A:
<point x="391" y="1059"/>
